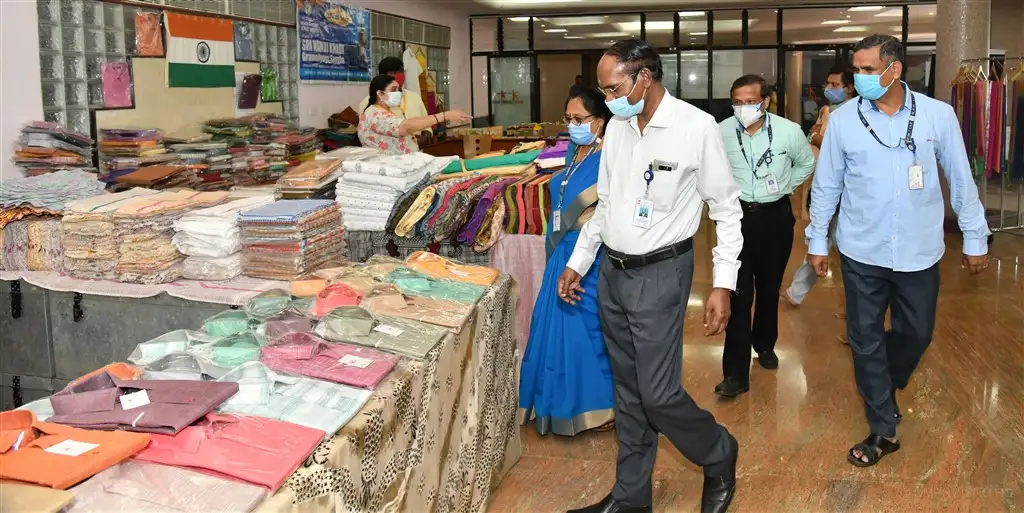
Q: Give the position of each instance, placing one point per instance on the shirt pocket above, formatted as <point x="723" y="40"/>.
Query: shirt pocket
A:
<point x="666" y="188"/>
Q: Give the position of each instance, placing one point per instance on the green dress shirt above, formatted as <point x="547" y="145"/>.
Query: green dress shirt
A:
<point x="791" y="162"/>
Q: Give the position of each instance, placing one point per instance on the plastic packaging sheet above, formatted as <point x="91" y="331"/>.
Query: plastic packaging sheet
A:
<point x="212" y="269"/>
<point x="267" y="304"/>
<point x="334" y="296"/>
<point x="226" y="323"/>
<point x="232" y="351"/>
<point x="289" y="321"/>
<point x="140" y="486"/>
<point x="355" y="325"/>
<point x="309" y="355"/>
<point x="437" y="266"/>
<point x="178" y="341"/>
<point x="387" y="299"/>
<point x="258" y="450"/>
<point x="415" y="283"/>
<point x="183" y="366"/>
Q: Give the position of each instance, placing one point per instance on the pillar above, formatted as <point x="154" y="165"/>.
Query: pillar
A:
<point x="964" y="28"/>
<point x="794" y="87"/>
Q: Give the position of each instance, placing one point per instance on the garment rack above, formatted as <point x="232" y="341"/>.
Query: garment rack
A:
<point x="1016" y="223"/>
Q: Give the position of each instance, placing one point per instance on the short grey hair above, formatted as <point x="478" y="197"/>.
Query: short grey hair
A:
<point x="889" y="48"/>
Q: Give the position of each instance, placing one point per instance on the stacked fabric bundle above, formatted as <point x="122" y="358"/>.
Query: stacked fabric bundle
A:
<point x="46" y="147"/>
<point x="228" y="129"/>
<point x="373" y="183"/>
<point x="266" y="129"/>
<point x="88" y="226"/>
<point x="254" y="164"/>
<point x="161" y="177"/>
<point x="211" y="241"/>
<point x="145" y="231"/>
<point x="553" y="157"/>
<point x="123" y="151"/>
<point x="313" y="179"/>
<point x="50" y="192"/>
<point x="210" y="160"/>
<point x="300" y="147"/>
<point x="291" y="238"/>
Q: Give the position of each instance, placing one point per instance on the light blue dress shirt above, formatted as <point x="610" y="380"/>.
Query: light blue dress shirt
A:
<point x="882" y="222"/>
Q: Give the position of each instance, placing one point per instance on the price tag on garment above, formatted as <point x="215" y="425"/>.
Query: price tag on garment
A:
<point x="772" y="184"/>
<point x="134" y="400"/>
<point x="916" y="177"/>
<point x="556" y="221"/>
<point x="352" y="360"/>
<point x="70" y="448"/>
<point x="642" y="213"/>
<point x="388" y="330"/>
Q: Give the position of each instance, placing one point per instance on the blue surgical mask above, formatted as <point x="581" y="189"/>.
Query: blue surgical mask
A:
<point x="835" y="95"/>
<point x="870" y="87"/>
<point x="581" y="134"/>
<point x="621" y="107"/>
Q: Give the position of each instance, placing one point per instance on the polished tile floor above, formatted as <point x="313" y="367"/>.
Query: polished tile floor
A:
<point x="962" y="433"/>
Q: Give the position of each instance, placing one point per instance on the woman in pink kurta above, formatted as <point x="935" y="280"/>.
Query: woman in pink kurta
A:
<point x="381" y="129"/>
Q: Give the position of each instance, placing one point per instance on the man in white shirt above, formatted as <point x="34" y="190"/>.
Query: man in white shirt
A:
<point x="662" y="159"/>
<point x="411" y="105"/>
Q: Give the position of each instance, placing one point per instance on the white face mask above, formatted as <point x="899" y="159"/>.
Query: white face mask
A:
<point x="394" y="99"/>
<point x="748" y="114"/>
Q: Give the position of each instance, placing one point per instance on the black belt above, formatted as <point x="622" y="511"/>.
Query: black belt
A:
<point x="754" y="207"/>
<point x="623" y="261"/>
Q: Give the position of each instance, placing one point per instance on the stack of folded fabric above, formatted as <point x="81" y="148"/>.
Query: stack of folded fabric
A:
<point x="255" y="164"/>
<point x="123" y="151"/>
<point x="211" y="241"/>
<point x="228" y="129"/>
<point x="290" y="239"/>
<point x="373" y="184"/>
<point x="145" y="232"/>
<point x="500" y="165"/>
<point x="161" y="177"/>
<point x="210" y="160"/>
<point x="267" y="128"/>
<point x="300" y="147"/>
<point x="88" y="226"/>
<point x="312" y="179"/>
<point x="50" y="192"/>
<point x="45" y="147"/>
<point x="553" y="157"/>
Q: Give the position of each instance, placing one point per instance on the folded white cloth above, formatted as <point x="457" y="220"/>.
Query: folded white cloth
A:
<point x="389" y="182"/>
<point x="354" y="203"/>
<point x="221" y="219"/>
<point x="202" y="268"/>
<point x="551" y="163"/>
<point x="207" y="245"/>
<point x="365" y="225"/>
<point x="365" y="213"/>
<point x="355" y="192"/>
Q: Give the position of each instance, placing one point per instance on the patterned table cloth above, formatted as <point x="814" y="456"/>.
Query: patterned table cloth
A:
<point x="437" y="436"/>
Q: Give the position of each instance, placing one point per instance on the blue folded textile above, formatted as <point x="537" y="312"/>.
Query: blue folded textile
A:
<point x="284" y="210"/>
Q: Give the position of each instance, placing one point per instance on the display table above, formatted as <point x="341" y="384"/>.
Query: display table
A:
<point x="522" y="257"/>
<point x="437" y="435"/>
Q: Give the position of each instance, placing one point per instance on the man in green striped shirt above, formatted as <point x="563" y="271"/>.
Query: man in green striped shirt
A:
<point x="770" y="157"/>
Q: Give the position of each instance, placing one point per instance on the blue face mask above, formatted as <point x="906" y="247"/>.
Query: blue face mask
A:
<point x="621" y="107"/>
<point x="581" y="134"/>
<point x="835" y="95"/>
<point x="870" y="87"/>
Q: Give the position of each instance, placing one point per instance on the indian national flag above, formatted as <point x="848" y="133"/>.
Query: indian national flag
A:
<point x="200" y="51"/>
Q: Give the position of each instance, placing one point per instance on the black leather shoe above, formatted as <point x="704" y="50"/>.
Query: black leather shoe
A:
<point x="768" y="360"/>
<point x="719" y="490"/>
<point x="731" y="387"/>
<point x="610" y="505"/>
<point x="898" y="415"/>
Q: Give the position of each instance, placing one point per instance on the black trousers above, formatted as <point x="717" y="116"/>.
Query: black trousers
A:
<point x="767" y="243"/>
<point x="642" y="314"/>
<point x="883" y="361"/>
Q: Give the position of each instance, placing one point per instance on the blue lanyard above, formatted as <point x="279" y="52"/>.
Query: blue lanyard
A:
<point x="572" y="168"/>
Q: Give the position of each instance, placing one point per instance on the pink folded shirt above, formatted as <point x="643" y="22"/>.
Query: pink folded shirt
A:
<point x="334" y="296"/>
<point x="255" y="449"/>
<point x="312" y="356"/>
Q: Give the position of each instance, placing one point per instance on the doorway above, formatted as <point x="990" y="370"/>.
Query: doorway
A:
<point x="557" y="74"/>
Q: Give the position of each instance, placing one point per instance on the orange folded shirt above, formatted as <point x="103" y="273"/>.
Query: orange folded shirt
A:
<point x="59" y="456"/>
<point x="437" y="266"/>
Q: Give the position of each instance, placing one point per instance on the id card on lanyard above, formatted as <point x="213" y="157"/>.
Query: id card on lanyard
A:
<point x="771" y="182"/>
<point x="915" y="173"/>
<point x="574" y="165"/>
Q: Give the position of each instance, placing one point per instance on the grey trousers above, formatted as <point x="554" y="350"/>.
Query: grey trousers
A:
<point x="883" y="361"/>
<point x="642" y="314"/>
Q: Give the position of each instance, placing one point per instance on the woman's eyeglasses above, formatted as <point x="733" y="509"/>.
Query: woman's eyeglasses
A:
<point x="576" y="120"/>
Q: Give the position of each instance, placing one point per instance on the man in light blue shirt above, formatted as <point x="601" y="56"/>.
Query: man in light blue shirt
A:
<point x="769" y="157"/>
<point x="881" y="155"/>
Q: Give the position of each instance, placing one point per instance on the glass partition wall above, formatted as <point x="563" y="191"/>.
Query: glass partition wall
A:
<point x="703" y="51"/>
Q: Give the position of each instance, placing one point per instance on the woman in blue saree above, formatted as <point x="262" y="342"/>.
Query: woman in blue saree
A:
<point x="566" y="381"/>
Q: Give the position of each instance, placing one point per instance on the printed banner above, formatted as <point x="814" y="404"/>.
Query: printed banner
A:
<point x="334" y="42"/>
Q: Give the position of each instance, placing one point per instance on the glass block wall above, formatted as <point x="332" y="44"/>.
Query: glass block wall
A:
<point x="77" y="36"/>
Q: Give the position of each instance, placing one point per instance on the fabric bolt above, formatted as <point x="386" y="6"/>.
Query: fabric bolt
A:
<point x="389" y="300"/>
<point x="440" y="267"/>
<point x="460" y="208"/>
<point x="355" y="325"/>
<point x="403" y="203"/>
<point x="139" y="486"/>
<point x="468" y="232"/>
<point x="492" y="226"/>
<point x="258" y="450"/>
<point x="309" y="355"/>
<point x="447" y="199"/>
<point x="95" y="403"/>
<point x="416" y="211"/>
<point x="415" y="283"/>
<point x="24" y="456"/>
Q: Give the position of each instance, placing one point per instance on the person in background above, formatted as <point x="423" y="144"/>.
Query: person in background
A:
<point x="838" y="90"/>
<point x="770" y="158"/>
<point x="880" y="158"/>
<point x="579" y="80"/>
<point x="381" y="128"/>
<point x="662" y="160"/>
<point x="411" y="104"/>
<point x="566" y="383"/>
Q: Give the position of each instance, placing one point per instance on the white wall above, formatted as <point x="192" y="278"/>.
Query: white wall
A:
<point x="21" y="93"/>
<point x="318" y="101"/>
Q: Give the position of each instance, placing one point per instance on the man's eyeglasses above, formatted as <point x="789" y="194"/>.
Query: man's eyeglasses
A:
<point x="576" y="120"/>
<point x="611" y="91"/>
